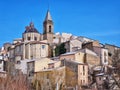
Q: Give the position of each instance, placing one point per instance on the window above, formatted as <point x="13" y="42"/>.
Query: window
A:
<point x="23" y="39"/>
<point x="54" y="37"/>
<point x="18" y="49"/>
<point x="110" y="54"/>
<point x="43" y="46"/>
<point x="83" y="70"/>
<point x="50" y="28"/>
<point x="47" y="76"/>
<point x="105" y="57"/>
<point x="81" y="81"/>
<point x="100" y="78"/>
<point x="35" y="38"/>
<point x="28" y="38"/>
<point x="105" y="54"/>
<point x="31" y="57"/>
<point x="1" y="57"/>
<point x="31" y="73"/>
<point x="0" y="61"/>
<point x="105" y="60"/>
<point x="18" y="62"/>
<point x="52" y="66"/>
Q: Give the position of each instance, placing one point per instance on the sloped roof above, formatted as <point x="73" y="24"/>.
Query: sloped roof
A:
<point x="68" y="53"/>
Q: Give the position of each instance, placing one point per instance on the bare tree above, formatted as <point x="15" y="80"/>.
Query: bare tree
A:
<point x="18" y="82"/>
<point x="116" y="62"/>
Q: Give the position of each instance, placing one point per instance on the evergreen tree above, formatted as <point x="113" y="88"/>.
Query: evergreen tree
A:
<point x="60" y="49"/>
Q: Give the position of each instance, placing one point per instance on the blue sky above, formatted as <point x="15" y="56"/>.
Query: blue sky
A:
<point x="96" y="19"/>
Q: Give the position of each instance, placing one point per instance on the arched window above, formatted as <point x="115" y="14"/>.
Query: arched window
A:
<point x="35" y="38"/>
<point x="29" y="38"/>
<point x="50" y="28"/>
<point x="105" y="57"/>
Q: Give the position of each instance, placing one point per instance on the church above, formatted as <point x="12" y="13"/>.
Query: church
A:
<point x="33" y="44"/>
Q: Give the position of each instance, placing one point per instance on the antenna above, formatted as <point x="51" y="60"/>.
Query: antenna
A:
<point x="48" y="5"/>
<point x="31" y="19"/>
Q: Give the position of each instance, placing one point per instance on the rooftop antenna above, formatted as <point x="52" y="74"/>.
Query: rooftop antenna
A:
<point x="31" y="19"/>
<point x="48" y="5"/>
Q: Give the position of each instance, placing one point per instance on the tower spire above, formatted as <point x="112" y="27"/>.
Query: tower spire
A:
<point x="48" y="16"/>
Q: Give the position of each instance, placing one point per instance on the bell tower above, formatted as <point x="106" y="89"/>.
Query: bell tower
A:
<point x="48" y="28"/>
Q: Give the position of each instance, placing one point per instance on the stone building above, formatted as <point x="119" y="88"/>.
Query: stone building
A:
<point x="35" y="64"/>
<point x="112" y="49"/>
<point x="73" y="45"/>
<point x="100" y="50"/>
<point x="76" y="74"/>
<point x="75" y="56"/>
<point x="63" y="37"/>
<point x="71" y="75"/>
<point x="42" y="64"/>
<point x="28" y="50"/>
<point x="91" y="44"/>
<point x="83" y="56"/>
<point x="90" y="57"/>
<point x="84" y="39"/>
<point x="54" y="64"/>
<point x="50" y="79"/>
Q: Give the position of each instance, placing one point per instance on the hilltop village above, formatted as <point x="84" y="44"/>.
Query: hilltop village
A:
<point x="54" y="61"/>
